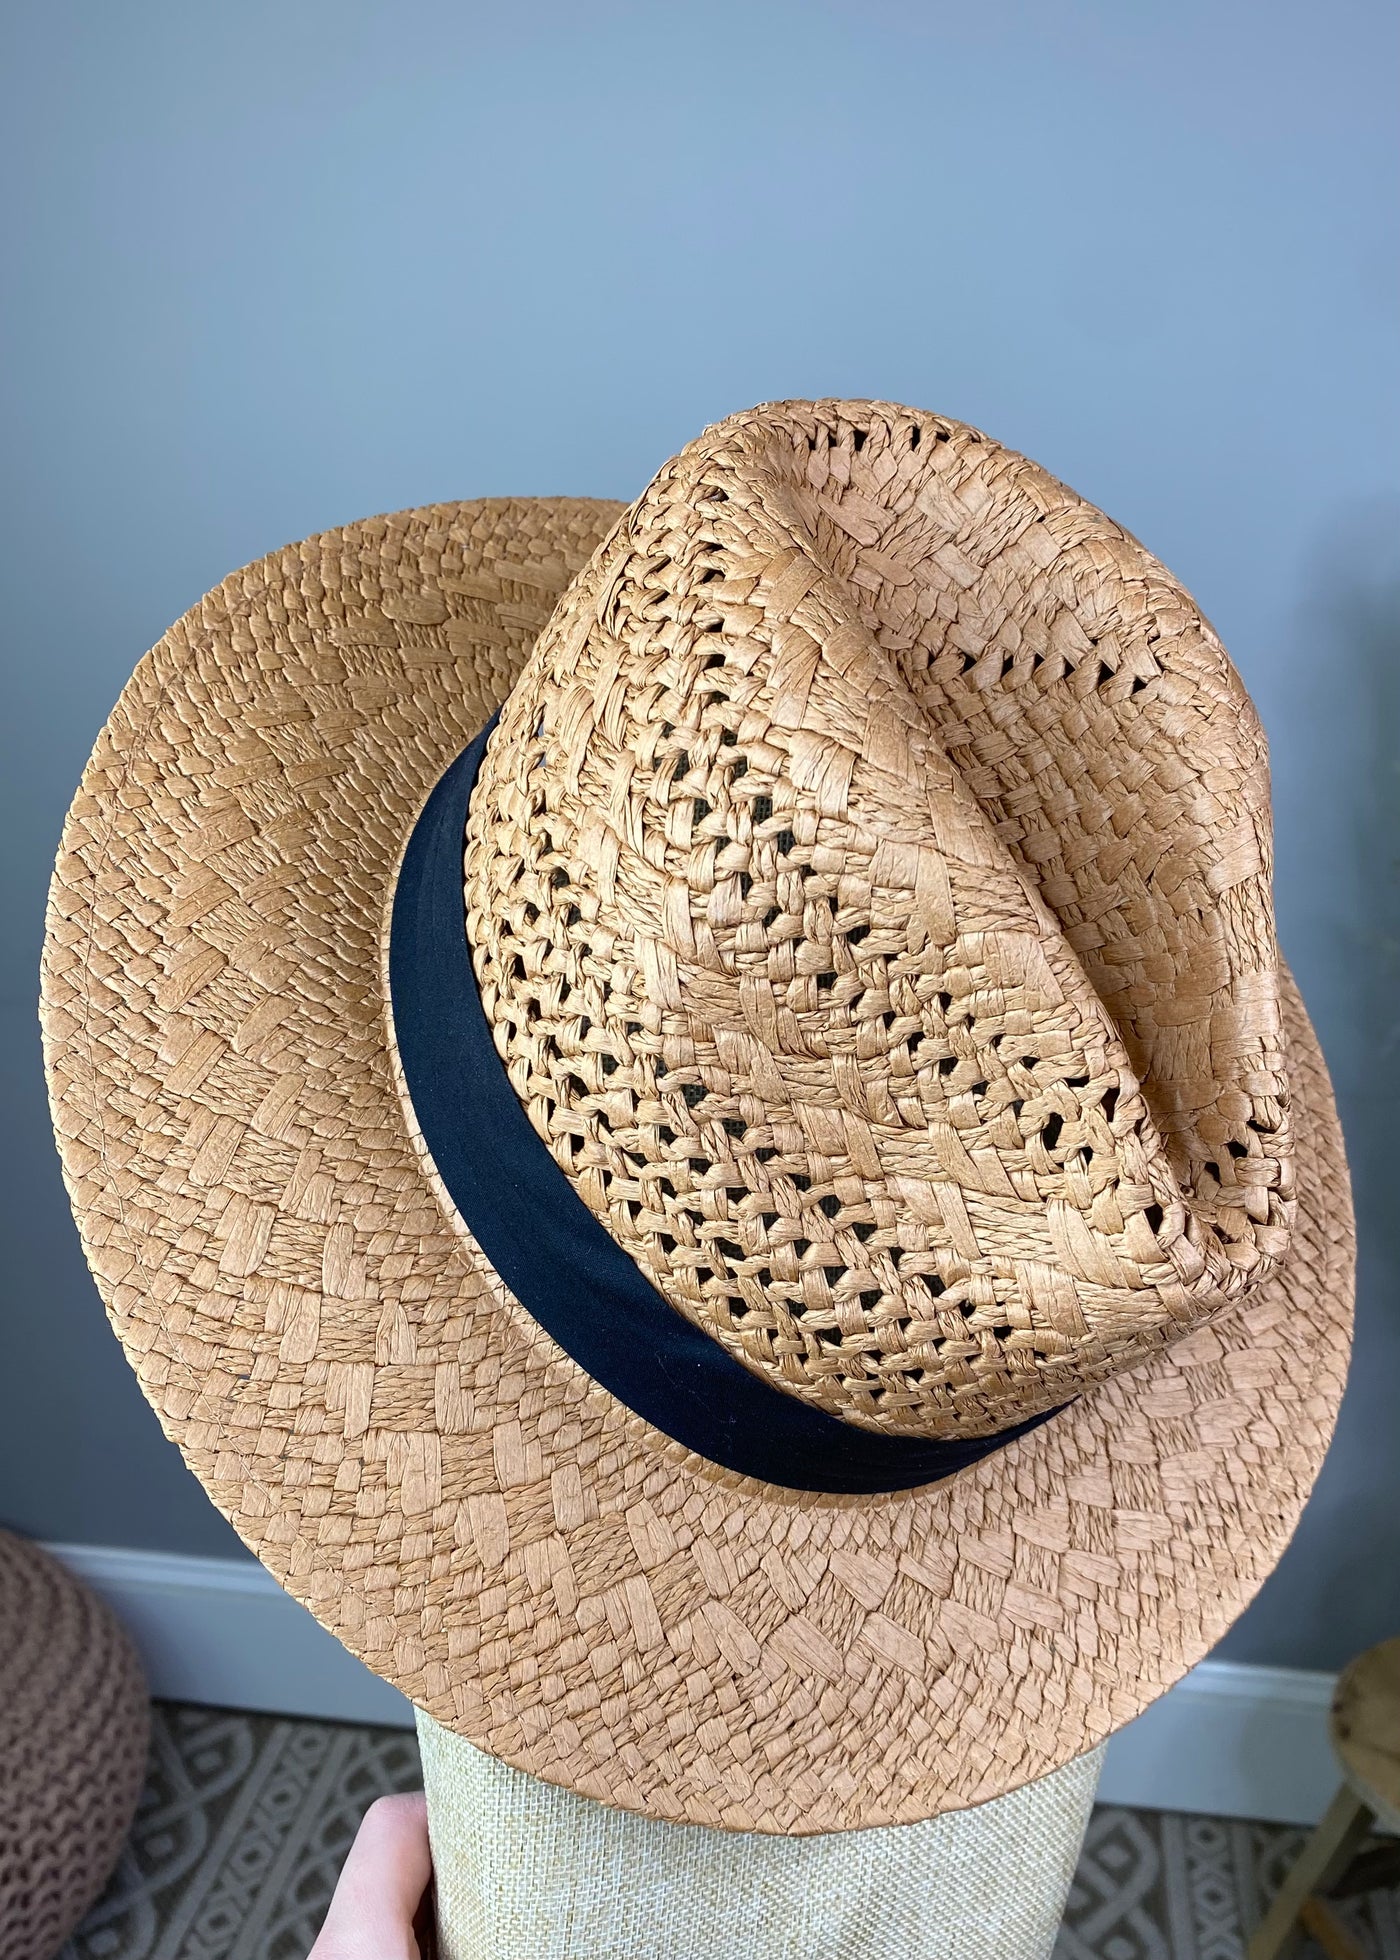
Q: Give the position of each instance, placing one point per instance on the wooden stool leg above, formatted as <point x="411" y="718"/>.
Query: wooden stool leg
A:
<point x="1318" y="1918"/>
<point x="1323" y="1859"/>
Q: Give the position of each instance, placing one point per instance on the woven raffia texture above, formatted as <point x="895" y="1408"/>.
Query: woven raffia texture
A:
<point x="74" y="1723"/>
<point x="527" y="1872"/>
<point x="402" y="1444"/>
<point x="869" y="887"/>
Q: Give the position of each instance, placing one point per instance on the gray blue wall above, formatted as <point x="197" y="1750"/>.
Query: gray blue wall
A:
<point x="274" y="265"/>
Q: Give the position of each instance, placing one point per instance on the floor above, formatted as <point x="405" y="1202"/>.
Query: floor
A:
<point x="245" y="1820"/>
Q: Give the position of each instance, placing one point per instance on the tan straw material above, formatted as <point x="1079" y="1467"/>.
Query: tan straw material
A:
<point x="868" y="885"/>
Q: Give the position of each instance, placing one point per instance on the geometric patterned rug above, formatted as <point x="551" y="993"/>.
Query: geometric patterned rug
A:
<point x="245" y="1821"/>
<point x="240" y="1835"/>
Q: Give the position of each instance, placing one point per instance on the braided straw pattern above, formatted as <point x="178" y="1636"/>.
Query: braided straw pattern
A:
<point x="404" y="1447"/>
<point x="934" y="1107"/>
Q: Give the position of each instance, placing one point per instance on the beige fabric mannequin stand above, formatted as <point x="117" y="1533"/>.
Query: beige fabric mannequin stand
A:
<point x="526" y="1871"/>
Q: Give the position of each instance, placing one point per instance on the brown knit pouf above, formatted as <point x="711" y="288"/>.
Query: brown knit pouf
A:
<point x="74" y="1727"/>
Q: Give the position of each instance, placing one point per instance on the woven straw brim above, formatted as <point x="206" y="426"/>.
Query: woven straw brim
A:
<point x="404" y="1447"/>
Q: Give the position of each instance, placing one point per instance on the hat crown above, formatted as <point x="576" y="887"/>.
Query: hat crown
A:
<point x="868" y="886"/>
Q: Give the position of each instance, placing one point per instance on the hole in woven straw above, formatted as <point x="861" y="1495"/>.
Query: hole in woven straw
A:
<point x="734" y="1126"/>
<point x="978" y="1089"/>
<point x="945" y="1001"/>
<point x="871" y="1298"/>
<point x="1003" y="1330"/>
<point x="1110" y="1101"/>
<point x="765" y="1153"/>
<point x="714" y="660"/>
<point x="934" y="1284"/>
<point x="1154" y="1216"/>
<point x="826" y="980"/>
<point x="666" y="1133"/>
<point x="699" y="810"/>
<point x="802" y="1181"/>
<point x="729" y="1249"/>
<point x="768" y="1219"/>
<point x="802" y="1247"/>
<point x="682" y="767"/>
<point x="558" y="876"/>
<point x="1105" y="673"/>
<point x="741" y="763"/>
<point x="1050" y="1133"/>
<point x="694" y="1092"/>
<point x="830" y="1204"/>
<point x="857" y="934"/>
<point x="915" y="436"/>
<point x="833" y="1275"/>
<point x="745" y="884"/>
<point x="864" y="1230"/>
<point x="860" y="437"/>
<point x="1008" y="661"/>
<point x="572" y="916"/>
<point x="1237" y="1149"/>
<point x="667" y="1243"/>
<point x="701" y="1165"/>
<point x="1138" y="684"/>
<point x="762" y="808"/>
<point x="785" y="842"/>
<point x="771" y="916"/>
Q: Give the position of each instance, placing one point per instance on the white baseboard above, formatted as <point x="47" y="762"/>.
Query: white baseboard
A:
<point x="1231" y="1740"/>
<point x="223" y="1632"/>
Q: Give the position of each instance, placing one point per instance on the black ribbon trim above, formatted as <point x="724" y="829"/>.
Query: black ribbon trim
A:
<point x="557" y="1259"/>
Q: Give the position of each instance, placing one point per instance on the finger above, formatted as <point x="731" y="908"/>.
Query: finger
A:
<point x="380" y="1885"/>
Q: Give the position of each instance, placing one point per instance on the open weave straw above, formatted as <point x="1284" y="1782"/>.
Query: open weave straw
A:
<point x="782" y="985"/>
<point x="539" y="1569"/>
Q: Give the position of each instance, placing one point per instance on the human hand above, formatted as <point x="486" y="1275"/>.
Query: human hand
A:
<point x="380" y="1910"/>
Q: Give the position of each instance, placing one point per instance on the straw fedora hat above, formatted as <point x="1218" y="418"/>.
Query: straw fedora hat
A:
<point x="832" y="1293"/>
